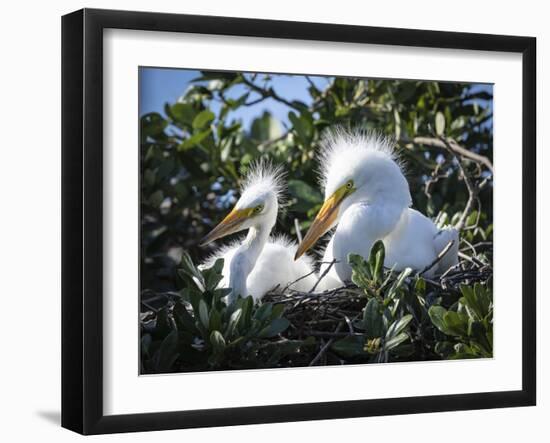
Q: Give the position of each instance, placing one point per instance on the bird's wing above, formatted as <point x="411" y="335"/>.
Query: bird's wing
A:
<point x="441" y="239"/>
<point x="330" y="279"/>
<point x="276" y="267"/>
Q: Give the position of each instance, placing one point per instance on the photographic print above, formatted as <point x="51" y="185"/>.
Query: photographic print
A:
<point x="292" y="220"/>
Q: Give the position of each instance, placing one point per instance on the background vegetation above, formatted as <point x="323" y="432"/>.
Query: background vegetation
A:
<point x="192" y="158"/>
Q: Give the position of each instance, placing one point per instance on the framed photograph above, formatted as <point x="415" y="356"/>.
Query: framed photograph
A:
<point x="269" y="221"/>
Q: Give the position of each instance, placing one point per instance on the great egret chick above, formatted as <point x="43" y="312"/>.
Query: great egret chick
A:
<point x="367" y="198"/>
<point x="258" y="263"/>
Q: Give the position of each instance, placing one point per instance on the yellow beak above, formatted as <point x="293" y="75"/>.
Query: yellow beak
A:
<point x="229" y="225"/>
<point x="323" y="222"/>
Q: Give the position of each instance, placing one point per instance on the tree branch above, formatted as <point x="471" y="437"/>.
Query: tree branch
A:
<point x="472" y="190"/>
<point x="454" y="147"/>
<point x="325" y="272"/>
<point x="268" y="93"/>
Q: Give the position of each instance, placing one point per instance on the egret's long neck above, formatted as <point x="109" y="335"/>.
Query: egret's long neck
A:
<point x="245" y="258"/>
<point x="255" y="241"/>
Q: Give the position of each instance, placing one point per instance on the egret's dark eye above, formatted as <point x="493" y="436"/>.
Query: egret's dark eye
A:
<point x="349" y="184"/>
<point x="258" y="209"/>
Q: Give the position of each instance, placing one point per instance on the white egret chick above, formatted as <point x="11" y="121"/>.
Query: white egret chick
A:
<point x="258" y="263"/>
<point x="367" y="198"/>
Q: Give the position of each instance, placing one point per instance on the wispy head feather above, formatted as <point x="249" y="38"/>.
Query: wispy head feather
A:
<point x="263" y="174"/>
<point x="340" y="145"/>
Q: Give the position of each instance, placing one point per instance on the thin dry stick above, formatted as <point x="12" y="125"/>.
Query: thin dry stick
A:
<point x="325" y="272"/>
<point x="298" y="231"/>
<point x="448" y="271"/>
<point x="455" y="147"/>
<point x="350" y="325"/>
<point x="472" y="260"/>
<point x="326" y="346"/>
<point x="438" y="258"/>
<point x="472" y="191"/>
<point x="296" y="281"/>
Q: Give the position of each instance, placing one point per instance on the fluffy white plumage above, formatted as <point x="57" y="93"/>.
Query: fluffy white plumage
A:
<point x="259" y="262"/>
<point x="275" y="266"/>
<point x="367" y="198"/>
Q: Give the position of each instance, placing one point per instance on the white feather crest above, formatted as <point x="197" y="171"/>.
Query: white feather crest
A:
<point x="262" y="173"/>
<point x="339" y="143"/>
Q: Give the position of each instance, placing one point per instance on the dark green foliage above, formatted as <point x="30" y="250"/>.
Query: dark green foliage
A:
<point x="468" y="327"/>
<point x="192" y="160"/>
<point x="397" y="320"/>
<point x="198" y="331"/>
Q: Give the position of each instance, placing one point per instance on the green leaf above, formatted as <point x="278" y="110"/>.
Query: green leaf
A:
<point x="152" y="125"/>
<point x="188" y="268"/>
<point x="277" y="311"/>
<point x="444" y="348"/>
<point x="203" y="314"/>
<point x="394" y="289"/>
<point x="373" y="322"/>
<point x="203" y="118"/>
<point x="182" y="113"/>
<point x="184" y="320"/>
<point x="360" y="271"/>
<point x="350" y="346"/>
<point x="149" y="177"/>
<point x="275" y="327"/>
<point x="420" y="286"/>
<point x="145" y="345"/>
<point x="395" y="341"/>
<point x="167" y="353"/>
<point x="477" y="299"/>
<point x="302" y="125"/>
<point x="436" y="314"/>
<point x="232" y="323"/>
<point x="194" y="140"/>
<point x="456" y="323"/>
<point x="398" y="326"/>
<point x="163" y="324"/>
<point x="376" y="260"/>
<point x="213" y="275"/>
<point x="217" y="341"/>
<point x="156" y="198"/>
<point x="263" y="312"/>
<point x="215" y="319"/>
<point x="246" y="304"/>
<point x="478" y="332"/>
<point x="305" y="195"/>
<point x="265" y="128"/>
<point x="439" y="123"/>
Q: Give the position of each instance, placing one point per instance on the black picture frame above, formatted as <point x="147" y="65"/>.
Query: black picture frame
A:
<point x="82" y="218"/>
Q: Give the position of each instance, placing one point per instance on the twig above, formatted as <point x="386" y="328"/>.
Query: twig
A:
<point x="268" y="93"/>
<point x="326" y="334"/>
<point x="326" y="346"/>
<point x="325" y="272"/>
<point x="448" y="271"/>
<point x="438" y="258"/>
<point x="455" y="147"/>
<point x="478" y="218"/>
<point x="472" y="260"/>
<point x="296" y="281"/>
<point x="268" y="143"/>
<point x="472" y="191"/>
<point x="350" y="325"/>
<point x="298" y="232"/>
<point x="434" y="178"/>
<point x="470" y="246"/>
<point x="148" y="306"/>
<point x="250" y="103"/>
